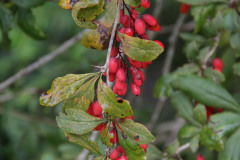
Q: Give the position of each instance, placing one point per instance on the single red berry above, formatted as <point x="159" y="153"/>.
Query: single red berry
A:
<point x="125" y="20"/>
<point x="129" y="32"/>
<point x="144" y="65"/>
<point x="150" y="20"/>
<point x="121" y="13"/>
<point x="145" y="4"/>
<point x="219" y="70"/>
<point x="115" y="136"/>
<point x="217" y="64"/>
<point x="135" y="89"/>
<point x="114" y="51"/>
<point x="97" y="109"/>
<point x="112" y="77"/>
<point x="159" y="43"/>
<point x="114" y="155"/>
<point x="144" y="146"/>
<point x="115" y="90"/>
<point x="208" y="114"/>
<point x="90" y="110"/>
<point x="130" y="117"/>
<point x="120" y="84"/>
<point x="122" y="91"/>
<point x="138" y="82"/>
<point x="121" y="30"/>
<point x="140" y="26"/>
<point x="220" y="110"/>
<point x="156" y="28"/>
<point x="113" y="65"/>
<point x="99" y="127"/>
<point x="200" y="157"/>
<point x="211" y="109"/>
<point x="121" y="74"/>
<point x="135" y="73"/>
<point x="184" y="8"/>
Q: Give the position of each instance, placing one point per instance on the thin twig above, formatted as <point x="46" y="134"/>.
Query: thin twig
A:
<point x="106" y="66"/>
<point x="212" y="51"/>
<point x="40" y="62"/>
<point x="166" y="67"/>
<point x="180" y="150"/>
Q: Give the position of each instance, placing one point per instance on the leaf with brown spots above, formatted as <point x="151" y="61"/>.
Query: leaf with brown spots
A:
<point x="83" y="97"/>
<point x="140" y="49"/>
<point x="85" y="11"/>
<point x="84" y="141"/>
<point x="111" y="14"/>
<point x="76" y="121"/>
<point x="63" y="87"/>
<point x="114" y="107"/>
<point x="105" y="136"/>
<point x="136" y="131"/>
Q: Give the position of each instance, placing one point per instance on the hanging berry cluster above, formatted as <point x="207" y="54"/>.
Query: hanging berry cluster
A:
<point x="134" y="25"/>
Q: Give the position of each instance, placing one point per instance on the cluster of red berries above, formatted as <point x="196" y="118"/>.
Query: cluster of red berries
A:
<point x="184" y="8"/>
<point x="118" y="153"/>
<point x="132" y="25"/>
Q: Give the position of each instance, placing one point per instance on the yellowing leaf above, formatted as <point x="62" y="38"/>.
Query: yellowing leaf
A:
<point x="140" y="49"/>
<point x="110" y="104"/>
<point x="111" y="14"/>
<point x="106" y="136"/>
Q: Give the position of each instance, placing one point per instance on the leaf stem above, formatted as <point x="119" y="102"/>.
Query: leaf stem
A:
<point x="106" y="66"/>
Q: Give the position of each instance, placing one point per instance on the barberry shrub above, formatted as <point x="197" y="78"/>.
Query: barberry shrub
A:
<point x="93" y="102"/>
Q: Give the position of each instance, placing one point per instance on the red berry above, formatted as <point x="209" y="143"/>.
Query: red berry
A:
<point x="156" y="28"/>
<point x="114" y="51"/>
<point x="121" y="74"/>
<point x="97" y="109"/>
<point x="144" y="146"/>
<point x="145" y="36"/>
<point x="184" y="8"/>
<point x="138" y="82"/>
<point x="129" y="32"/>
<point x="135" y="89"/>
<point x="112" y="77"/>
<point x="121" y="30"/>
<point x="99" y="127"/>
<point x="134" y="13"/>
<point x="140" y="26"/>
<point x="125" y="20"/>
<point x="211" y="109"/>
<point x="145" y="4"/>
<point x="113" y="65"/>
<point x="90" y="110"/>
<point x="217" y="64"/>
<point x="135" y="73"/>
<point x="150" y="20"/>
<point x="130" y="117"/>
<point x="142" y="74"/>
<point x="114" y="155"/>
<point x="159" y="43"/>
<point x="200" y="157"/>
<point x="122" y="92"/>
<point x="120" y="84"/>
<point x="208" y="114"/>
<point x="115" y="90"/>
<point x="115" y="136"/>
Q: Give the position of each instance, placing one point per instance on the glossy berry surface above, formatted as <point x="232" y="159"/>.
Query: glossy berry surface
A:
<point x="140" y="26"/>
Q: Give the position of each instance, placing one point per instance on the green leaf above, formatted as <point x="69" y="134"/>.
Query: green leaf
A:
<point x="105" y="136"/>
<point x="193" y="37"/>
<point x="28" y="3"/>
<point x="171" y="149"/>
<point x="96" y="40"/>
<point x="225" y="123"/>
<point x="184" y="106"/>
<point x="83" y="97"/>
<point x="132" y="149"/>
<point x="26" y="21"/>
<point x="163" y="87"/>
<point x="235" y="38"/>
<point x="153" y="153"/>
<point x="76" y="121"/>
<point x="214" y="75"/>
<point x="139" y="49"/>
<point x="100" y="158"/>
<point x="111" y="14"/>
<point x="114" y="107"/>
<point x="85" y="11"/>
<point x="192" y="50"/>
<point x="194" y="143"/>
<point x="211" y="140"/>
<point x="84" y="141"/>
<point x="202" y="2"/>
<point x="133" y="3"/>
<point x="186" y="69"/>
<point x="6" y="18"/>
<point x="188" y="131"/>
<point x="63" y="87"/>
<point x="200" y="15"/>
<point x="136" y="130"/>
<point x="232" y="147"/>
<point x="236" y="69"/>
<point x="206" y="92"/>
<point x="200" y="114"/>
<point x="232" y="20"/>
